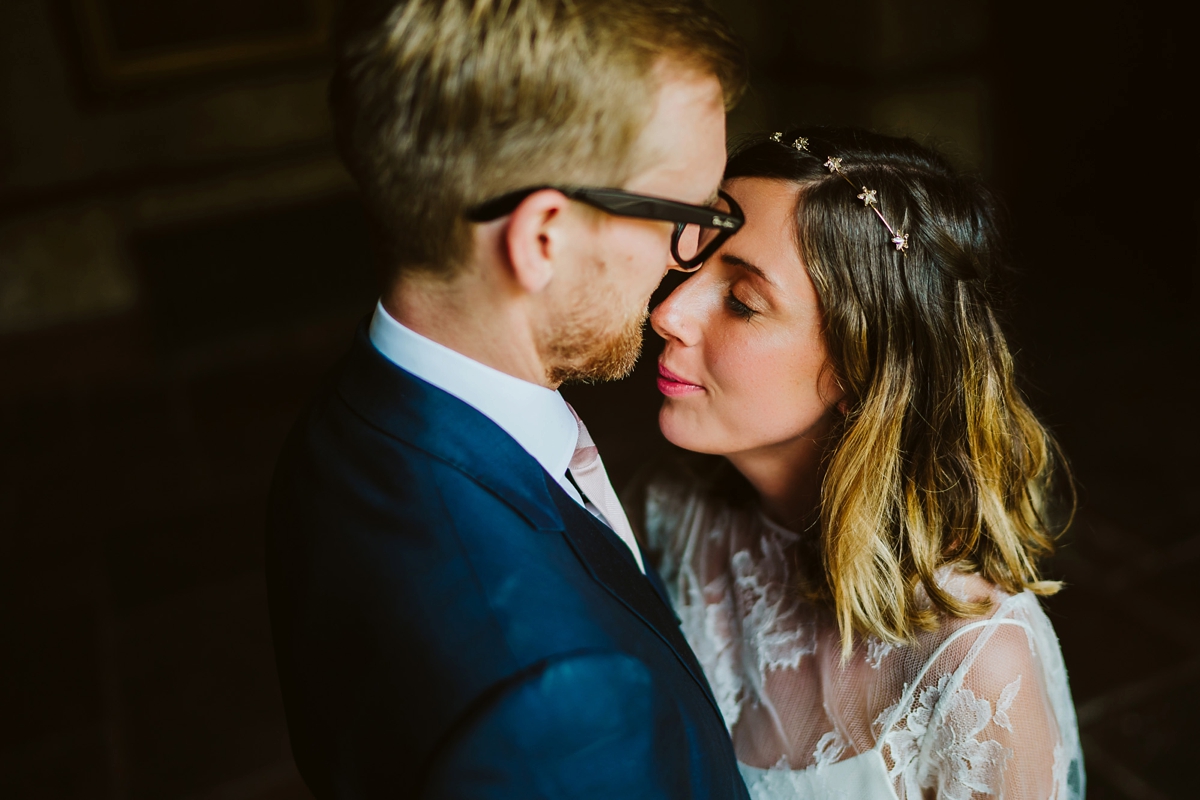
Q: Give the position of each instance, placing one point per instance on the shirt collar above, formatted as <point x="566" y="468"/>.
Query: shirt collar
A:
<point x="536" y="417"/>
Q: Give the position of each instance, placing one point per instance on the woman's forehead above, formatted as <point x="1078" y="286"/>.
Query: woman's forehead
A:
<point x="767" y="241"/>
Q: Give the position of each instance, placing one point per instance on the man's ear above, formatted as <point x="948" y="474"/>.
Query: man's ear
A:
<point x="536" y="237"/>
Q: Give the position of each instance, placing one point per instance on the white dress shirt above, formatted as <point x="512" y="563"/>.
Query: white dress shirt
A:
<point x="536" y="417"/>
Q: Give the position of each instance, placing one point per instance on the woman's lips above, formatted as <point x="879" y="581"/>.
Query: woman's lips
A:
<point x="672" y="385"/>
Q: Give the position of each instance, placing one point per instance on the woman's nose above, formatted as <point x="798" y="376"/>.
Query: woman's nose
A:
<point x="676" y="318"/>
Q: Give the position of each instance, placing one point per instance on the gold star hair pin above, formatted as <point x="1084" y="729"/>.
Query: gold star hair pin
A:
<point x="899" y="238"/>
<point x="870" y="197"/>
<point x="870" y="200"/>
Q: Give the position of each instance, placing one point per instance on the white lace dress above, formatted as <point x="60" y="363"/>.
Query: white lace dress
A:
<point x="979" y="708"/>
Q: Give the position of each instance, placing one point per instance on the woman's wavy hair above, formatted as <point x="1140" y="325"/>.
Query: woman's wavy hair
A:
<point x="938" y="461"/>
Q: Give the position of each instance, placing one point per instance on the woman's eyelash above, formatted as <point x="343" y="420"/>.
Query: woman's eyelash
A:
<point x="739" y="308"/>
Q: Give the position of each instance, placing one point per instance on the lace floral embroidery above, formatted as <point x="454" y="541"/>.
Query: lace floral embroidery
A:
<point x="877" y="651"/>
<point x="716" y="649"/>
<point x="830" y="748"/>
<point x="961" y="764"/>
<point x="1005" y="703"/>
<point x="773" y="638"/>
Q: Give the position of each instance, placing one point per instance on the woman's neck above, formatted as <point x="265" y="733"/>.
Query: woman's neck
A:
<point x="787" y="478"/>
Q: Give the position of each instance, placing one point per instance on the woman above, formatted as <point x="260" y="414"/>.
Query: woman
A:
<point x="858" y="574"/>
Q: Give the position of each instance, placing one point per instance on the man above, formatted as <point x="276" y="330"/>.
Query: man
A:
<point x="458" y="605"/>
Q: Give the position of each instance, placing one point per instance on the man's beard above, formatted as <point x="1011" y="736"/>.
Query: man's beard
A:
<point x="584" y="349"/>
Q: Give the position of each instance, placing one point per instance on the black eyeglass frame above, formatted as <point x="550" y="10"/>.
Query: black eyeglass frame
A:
<point x="639" y="206"/>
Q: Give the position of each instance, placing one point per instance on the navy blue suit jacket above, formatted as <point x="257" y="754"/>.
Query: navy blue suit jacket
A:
<point x="449" y="623"/>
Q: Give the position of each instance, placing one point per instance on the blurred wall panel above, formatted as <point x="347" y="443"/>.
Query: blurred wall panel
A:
<point x="910" y="68"/>
<point x="126" y="43"/>
<point x="181" y="258"/>
<point x="230" y="138"/>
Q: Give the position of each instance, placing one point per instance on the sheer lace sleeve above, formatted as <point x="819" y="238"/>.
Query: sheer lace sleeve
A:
<point x="977" y="708"/>
<point x="1001" y="724"/>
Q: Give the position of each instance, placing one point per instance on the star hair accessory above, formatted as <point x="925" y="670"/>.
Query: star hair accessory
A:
<point x="870" y="197"/>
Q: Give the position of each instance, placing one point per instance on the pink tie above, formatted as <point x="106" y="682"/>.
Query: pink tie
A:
<point x="588" y="471"/>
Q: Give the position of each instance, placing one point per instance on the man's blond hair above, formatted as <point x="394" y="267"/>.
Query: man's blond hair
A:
<point x="441" y="104"/>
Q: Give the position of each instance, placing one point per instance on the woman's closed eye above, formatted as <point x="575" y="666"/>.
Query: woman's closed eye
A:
<point x="738" y="308"/>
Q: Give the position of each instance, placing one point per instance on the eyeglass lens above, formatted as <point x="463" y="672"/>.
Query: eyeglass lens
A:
<point x="694" y="239"/>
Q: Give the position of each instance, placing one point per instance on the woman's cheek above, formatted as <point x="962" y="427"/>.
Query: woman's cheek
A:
<point x="749" y="391"/>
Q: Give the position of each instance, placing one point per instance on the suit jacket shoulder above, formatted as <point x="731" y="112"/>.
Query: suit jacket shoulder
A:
<point x="423" y="582"/>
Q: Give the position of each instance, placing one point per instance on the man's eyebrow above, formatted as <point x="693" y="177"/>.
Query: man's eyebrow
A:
<point x="737" y="261"/>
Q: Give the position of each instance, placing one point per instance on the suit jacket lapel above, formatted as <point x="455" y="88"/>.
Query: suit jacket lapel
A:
<point x="607" y="558"/>
<point x="660" y="589"/>
<point x="447" y="428"/>
<point x="440" y="424"/>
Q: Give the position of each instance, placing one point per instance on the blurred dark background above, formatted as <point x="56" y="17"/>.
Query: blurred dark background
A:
<point x="182" y="257"/>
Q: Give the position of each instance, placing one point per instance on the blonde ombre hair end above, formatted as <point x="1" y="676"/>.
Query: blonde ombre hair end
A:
<point x="441" y="104"/>
<point x="939" y="463"/>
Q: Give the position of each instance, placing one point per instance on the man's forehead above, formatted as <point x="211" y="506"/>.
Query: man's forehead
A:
<point x="682" y="147"/>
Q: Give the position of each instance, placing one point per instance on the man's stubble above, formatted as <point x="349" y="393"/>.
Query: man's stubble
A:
<point x="587" y="346"/>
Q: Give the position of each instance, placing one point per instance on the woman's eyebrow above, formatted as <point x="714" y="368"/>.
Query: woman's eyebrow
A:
<point x="731" y="260"/>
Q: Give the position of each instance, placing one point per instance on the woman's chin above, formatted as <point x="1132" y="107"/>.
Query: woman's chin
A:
<point x="683" y="429"/>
